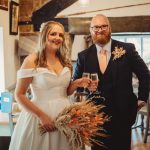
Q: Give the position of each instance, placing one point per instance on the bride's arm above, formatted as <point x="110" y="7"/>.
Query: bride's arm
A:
<point x="20" y="95"/>
<point x="22" y="86"/>
<point x="77" y="83"/>
<point x="72" y="87"/>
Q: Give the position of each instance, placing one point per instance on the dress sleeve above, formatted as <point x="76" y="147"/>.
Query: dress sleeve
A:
<point x="25" y="73"/>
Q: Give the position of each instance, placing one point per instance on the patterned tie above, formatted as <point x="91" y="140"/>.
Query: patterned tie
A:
<point x="103" y="60"/>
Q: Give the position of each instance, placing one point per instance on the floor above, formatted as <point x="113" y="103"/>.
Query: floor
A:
<point x="137" y="141"/>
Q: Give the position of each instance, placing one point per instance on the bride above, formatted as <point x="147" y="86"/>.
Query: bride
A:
<point x="48" y="72"/>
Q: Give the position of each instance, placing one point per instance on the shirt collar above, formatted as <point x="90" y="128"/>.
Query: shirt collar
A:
<point x="106" y="47"/>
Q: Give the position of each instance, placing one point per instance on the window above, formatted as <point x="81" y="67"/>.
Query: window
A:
<point x="146" y="49"/>
<point x="137" y="42"/>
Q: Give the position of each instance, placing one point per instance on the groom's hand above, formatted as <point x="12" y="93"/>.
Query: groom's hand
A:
<point x="141" y="104"/>
<point x="92" y="86"/>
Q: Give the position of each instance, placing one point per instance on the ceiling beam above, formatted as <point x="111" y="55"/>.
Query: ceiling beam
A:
<point x="130" y="24"/>
<point x="119" y="24"/>
<point x="49" y="10"/>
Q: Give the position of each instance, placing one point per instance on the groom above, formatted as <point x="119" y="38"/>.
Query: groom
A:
<point x="115" y="62"/>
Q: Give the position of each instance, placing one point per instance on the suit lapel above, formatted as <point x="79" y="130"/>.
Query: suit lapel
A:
<point x="92" y="64"/>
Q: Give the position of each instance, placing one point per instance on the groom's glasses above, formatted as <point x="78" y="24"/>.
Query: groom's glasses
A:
<point x="97" y="28"/>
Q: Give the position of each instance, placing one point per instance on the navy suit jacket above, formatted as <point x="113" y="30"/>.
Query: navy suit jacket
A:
<point x="125" y="101"/>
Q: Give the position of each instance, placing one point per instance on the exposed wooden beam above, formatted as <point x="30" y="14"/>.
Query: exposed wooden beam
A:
<point x="119" y="24"/>
<point x="130" y="24"/>
<point x="49" y="10"/>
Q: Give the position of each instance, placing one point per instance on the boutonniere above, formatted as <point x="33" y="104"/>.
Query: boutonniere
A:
<point x="118" y="52"/>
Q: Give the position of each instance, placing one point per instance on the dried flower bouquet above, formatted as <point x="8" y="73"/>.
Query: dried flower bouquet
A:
<point x="80" y="123"/>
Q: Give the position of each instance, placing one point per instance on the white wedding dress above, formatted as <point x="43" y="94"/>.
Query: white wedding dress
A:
<point x="49" y="94"/>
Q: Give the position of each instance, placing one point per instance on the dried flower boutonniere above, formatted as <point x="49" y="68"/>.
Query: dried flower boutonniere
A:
<point x="118" y="52"/>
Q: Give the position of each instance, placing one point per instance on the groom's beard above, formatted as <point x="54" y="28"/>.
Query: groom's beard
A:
<point x="101" y="38"/>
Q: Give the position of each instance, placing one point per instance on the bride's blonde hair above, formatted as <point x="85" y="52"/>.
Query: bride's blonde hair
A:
<point x="63" y="53"/>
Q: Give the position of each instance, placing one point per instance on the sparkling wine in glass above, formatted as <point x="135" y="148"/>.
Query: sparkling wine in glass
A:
<point x="94" y="77"/>
<point x="86" y="75"/>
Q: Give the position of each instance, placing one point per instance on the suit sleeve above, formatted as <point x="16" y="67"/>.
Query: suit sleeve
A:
<point x="79" y="67"/>
<point x="142" y="72"/>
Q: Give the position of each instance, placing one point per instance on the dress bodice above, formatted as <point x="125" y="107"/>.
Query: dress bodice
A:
<point x="46" y="84"/>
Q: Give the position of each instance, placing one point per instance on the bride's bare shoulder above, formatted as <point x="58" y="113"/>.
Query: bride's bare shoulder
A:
<point x="29" y="61"/>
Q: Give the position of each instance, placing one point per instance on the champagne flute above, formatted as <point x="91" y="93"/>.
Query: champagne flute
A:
<point x="94" y="77"/>
<point x="86" y="75"/>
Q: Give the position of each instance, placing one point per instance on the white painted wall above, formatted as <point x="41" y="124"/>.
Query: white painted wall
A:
<point x="2" y="77"/>
<point x="94" y="7"/>
<point x="77" y="46"/>
<point x="11" y="61"/>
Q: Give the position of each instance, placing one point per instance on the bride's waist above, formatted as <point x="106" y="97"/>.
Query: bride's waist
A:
<point x="50" y="98"/>
<point x="46" y="96"/>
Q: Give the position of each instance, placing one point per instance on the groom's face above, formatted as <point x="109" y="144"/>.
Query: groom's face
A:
<point x="100" y="30"/>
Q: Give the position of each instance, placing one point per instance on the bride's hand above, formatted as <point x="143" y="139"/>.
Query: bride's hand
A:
<point x="46" y="123"/>
<point x="82" y="82"/>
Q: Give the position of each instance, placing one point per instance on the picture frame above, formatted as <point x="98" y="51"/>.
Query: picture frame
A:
<point x="14" y="17"/>
<point x="4" y="4"/>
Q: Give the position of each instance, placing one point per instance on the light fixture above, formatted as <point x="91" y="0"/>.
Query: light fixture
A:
<point x="84" y="3"/>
